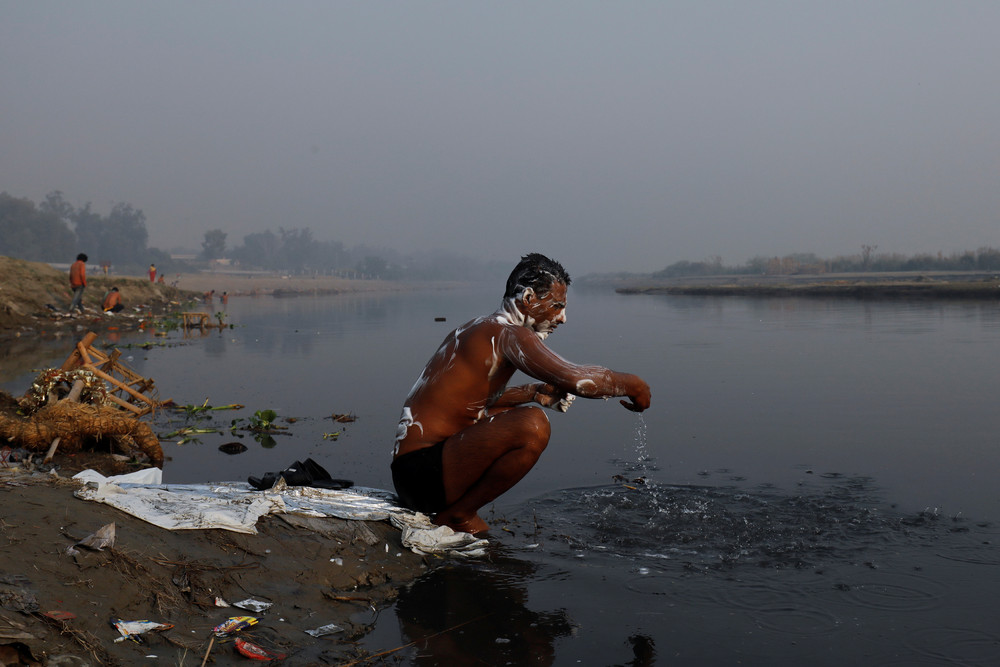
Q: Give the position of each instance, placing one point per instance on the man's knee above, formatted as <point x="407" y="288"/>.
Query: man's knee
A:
<point x="537" y="428"/>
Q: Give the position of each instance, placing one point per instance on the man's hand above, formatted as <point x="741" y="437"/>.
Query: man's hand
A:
<point x="639" y="400"/>
<point x="548" y="396"/>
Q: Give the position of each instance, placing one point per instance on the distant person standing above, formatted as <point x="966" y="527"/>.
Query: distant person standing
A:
<point x="112" y="301"/>
<point x="78" y="281"/>
<point x="152" y="273"/>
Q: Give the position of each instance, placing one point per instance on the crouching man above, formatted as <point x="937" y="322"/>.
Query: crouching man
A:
<point x="464" y="437"/>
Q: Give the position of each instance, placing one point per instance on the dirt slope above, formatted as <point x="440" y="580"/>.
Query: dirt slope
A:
<point x="34" y="294"/>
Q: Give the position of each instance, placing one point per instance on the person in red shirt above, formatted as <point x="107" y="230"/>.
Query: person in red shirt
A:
<point x="78" y="281"/>
<point x="152" y="273"/>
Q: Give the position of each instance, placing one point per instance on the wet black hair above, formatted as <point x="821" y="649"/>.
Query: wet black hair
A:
<point x="82" y="257"/>
<point x="538" y="272"/>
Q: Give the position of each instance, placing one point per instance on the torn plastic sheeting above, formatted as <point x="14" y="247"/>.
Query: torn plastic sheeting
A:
<point x="132" y="629"/>
<point x="422" y="537"/>
<point x="181" y="509"/>
<point x="235" y="506"/>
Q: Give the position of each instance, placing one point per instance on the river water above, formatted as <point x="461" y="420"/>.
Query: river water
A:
<point x="813" y="482"/>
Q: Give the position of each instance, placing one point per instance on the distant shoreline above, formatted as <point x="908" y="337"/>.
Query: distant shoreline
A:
<point x="896" y="285"/>
<point x="247" y="284"/>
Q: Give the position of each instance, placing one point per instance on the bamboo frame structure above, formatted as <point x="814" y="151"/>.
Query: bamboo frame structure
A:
<point x="126" y="388"/>
<point x="199" y="320"/>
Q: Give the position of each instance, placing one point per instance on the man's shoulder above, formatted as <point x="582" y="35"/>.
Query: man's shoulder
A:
<point x="491" y="329"/>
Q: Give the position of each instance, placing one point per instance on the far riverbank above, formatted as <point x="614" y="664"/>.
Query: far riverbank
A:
<point x="927" y="284"/>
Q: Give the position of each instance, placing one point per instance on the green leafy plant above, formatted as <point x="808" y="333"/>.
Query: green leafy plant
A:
<point x="263" y="420"/>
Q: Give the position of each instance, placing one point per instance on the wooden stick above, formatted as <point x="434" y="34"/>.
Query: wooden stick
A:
<point x="74" y="358"/>
<point x="84" y="356"/>
<point x="128" y="406"/>
<point x="210" y="642"/>
<point x="114" y="381"/>
<point x="73" y="397"/>
<point x="52" y="451"/>
<point x="74" y="393"/>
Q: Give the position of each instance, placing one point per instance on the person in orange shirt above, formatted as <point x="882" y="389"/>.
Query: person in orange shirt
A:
<point x="78" y="281"/>
<point x="112" y="301"/>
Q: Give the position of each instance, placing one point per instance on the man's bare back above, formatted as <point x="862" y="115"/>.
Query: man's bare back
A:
<point x="463" y="425"/>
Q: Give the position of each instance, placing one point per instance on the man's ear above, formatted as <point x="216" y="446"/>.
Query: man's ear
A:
<point x="527" y="296"/>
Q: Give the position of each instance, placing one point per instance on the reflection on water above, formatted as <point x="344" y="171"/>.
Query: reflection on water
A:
<point x="477" y="614"/>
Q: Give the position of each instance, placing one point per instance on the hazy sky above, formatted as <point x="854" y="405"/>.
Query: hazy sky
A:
<point x="610" y="135"/>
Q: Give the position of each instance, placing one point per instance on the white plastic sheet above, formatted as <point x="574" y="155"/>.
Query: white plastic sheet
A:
<point x="235" y="506"/>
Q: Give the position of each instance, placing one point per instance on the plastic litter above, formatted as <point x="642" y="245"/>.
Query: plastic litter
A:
<point x="325" y="630"/>
<point x="133" y="629"/>
<point x="439" y="540"/>
<point x="233" y="625"/>
<point x="11" y="457"/>
<point x="256" y="652"/>
<point x="59" y="615"/>
<point x="253" y="605"/>
<point x="97" y="541"/>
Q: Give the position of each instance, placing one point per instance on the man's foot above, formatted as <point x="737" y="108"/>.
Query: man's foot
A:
<point x="475" y="525"/>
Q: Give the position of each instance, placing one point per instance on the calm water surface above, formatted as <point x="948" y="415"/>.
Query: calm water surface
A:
<point x="815" y="479"/>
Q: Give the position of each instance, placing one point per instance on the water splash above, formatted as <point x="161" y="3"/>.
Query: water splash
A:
<point x="708" y="528"/>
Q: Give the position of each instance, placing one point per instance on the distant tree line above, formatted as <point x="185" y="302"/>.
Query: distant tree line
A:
<point x="56" y="231"/>
<point x="983" y="259"/>
<point x="297" y="251"/>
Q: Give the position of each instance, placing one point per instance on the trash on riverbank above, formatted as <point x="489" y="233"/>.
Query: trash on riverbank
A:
<point x="257" y="652"/>
<point x="233" y="625"/>
<point x="91" y="398"/>
<point x="132" y="630"/>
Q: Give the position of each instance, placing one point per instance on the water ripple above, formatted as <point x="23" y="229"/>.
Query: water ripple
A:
<point x="957" y="645"/>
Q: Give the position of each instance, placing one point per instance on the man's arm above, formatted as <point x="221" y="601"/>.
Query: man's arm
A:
<point x="530" y="355"/>
<point x="541" y="393"/>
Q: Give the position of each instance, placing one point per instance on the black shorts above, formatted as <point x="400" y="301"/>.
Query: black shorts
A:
<point x="418" y="478"/>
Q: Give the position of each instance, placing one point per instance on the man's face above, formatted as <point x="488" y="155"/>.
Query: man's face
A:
<point x="545" y="313"/>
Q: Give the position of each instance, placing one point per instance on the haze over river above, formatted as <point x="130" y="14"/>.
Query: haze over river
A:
<point x="815" y="480"/>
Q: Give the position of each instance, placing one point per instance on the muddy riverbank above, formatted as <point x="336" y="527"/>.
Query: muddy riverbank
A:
<point x="58" y="601"/>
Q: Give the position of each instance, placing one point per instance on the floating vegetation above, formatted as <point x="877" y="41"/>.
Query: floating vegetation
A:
<point x="331" y="436"/>
<point x="187" y="434"/>
<point x="195" y="410"/>
<point x="343" y="418"/>
<point x="263" y="420"/>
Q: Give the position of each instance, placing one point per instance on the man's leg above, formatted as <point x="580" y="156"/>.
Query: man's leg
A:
<point x="487" y="459"/>
<point x="77" y="301"/>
